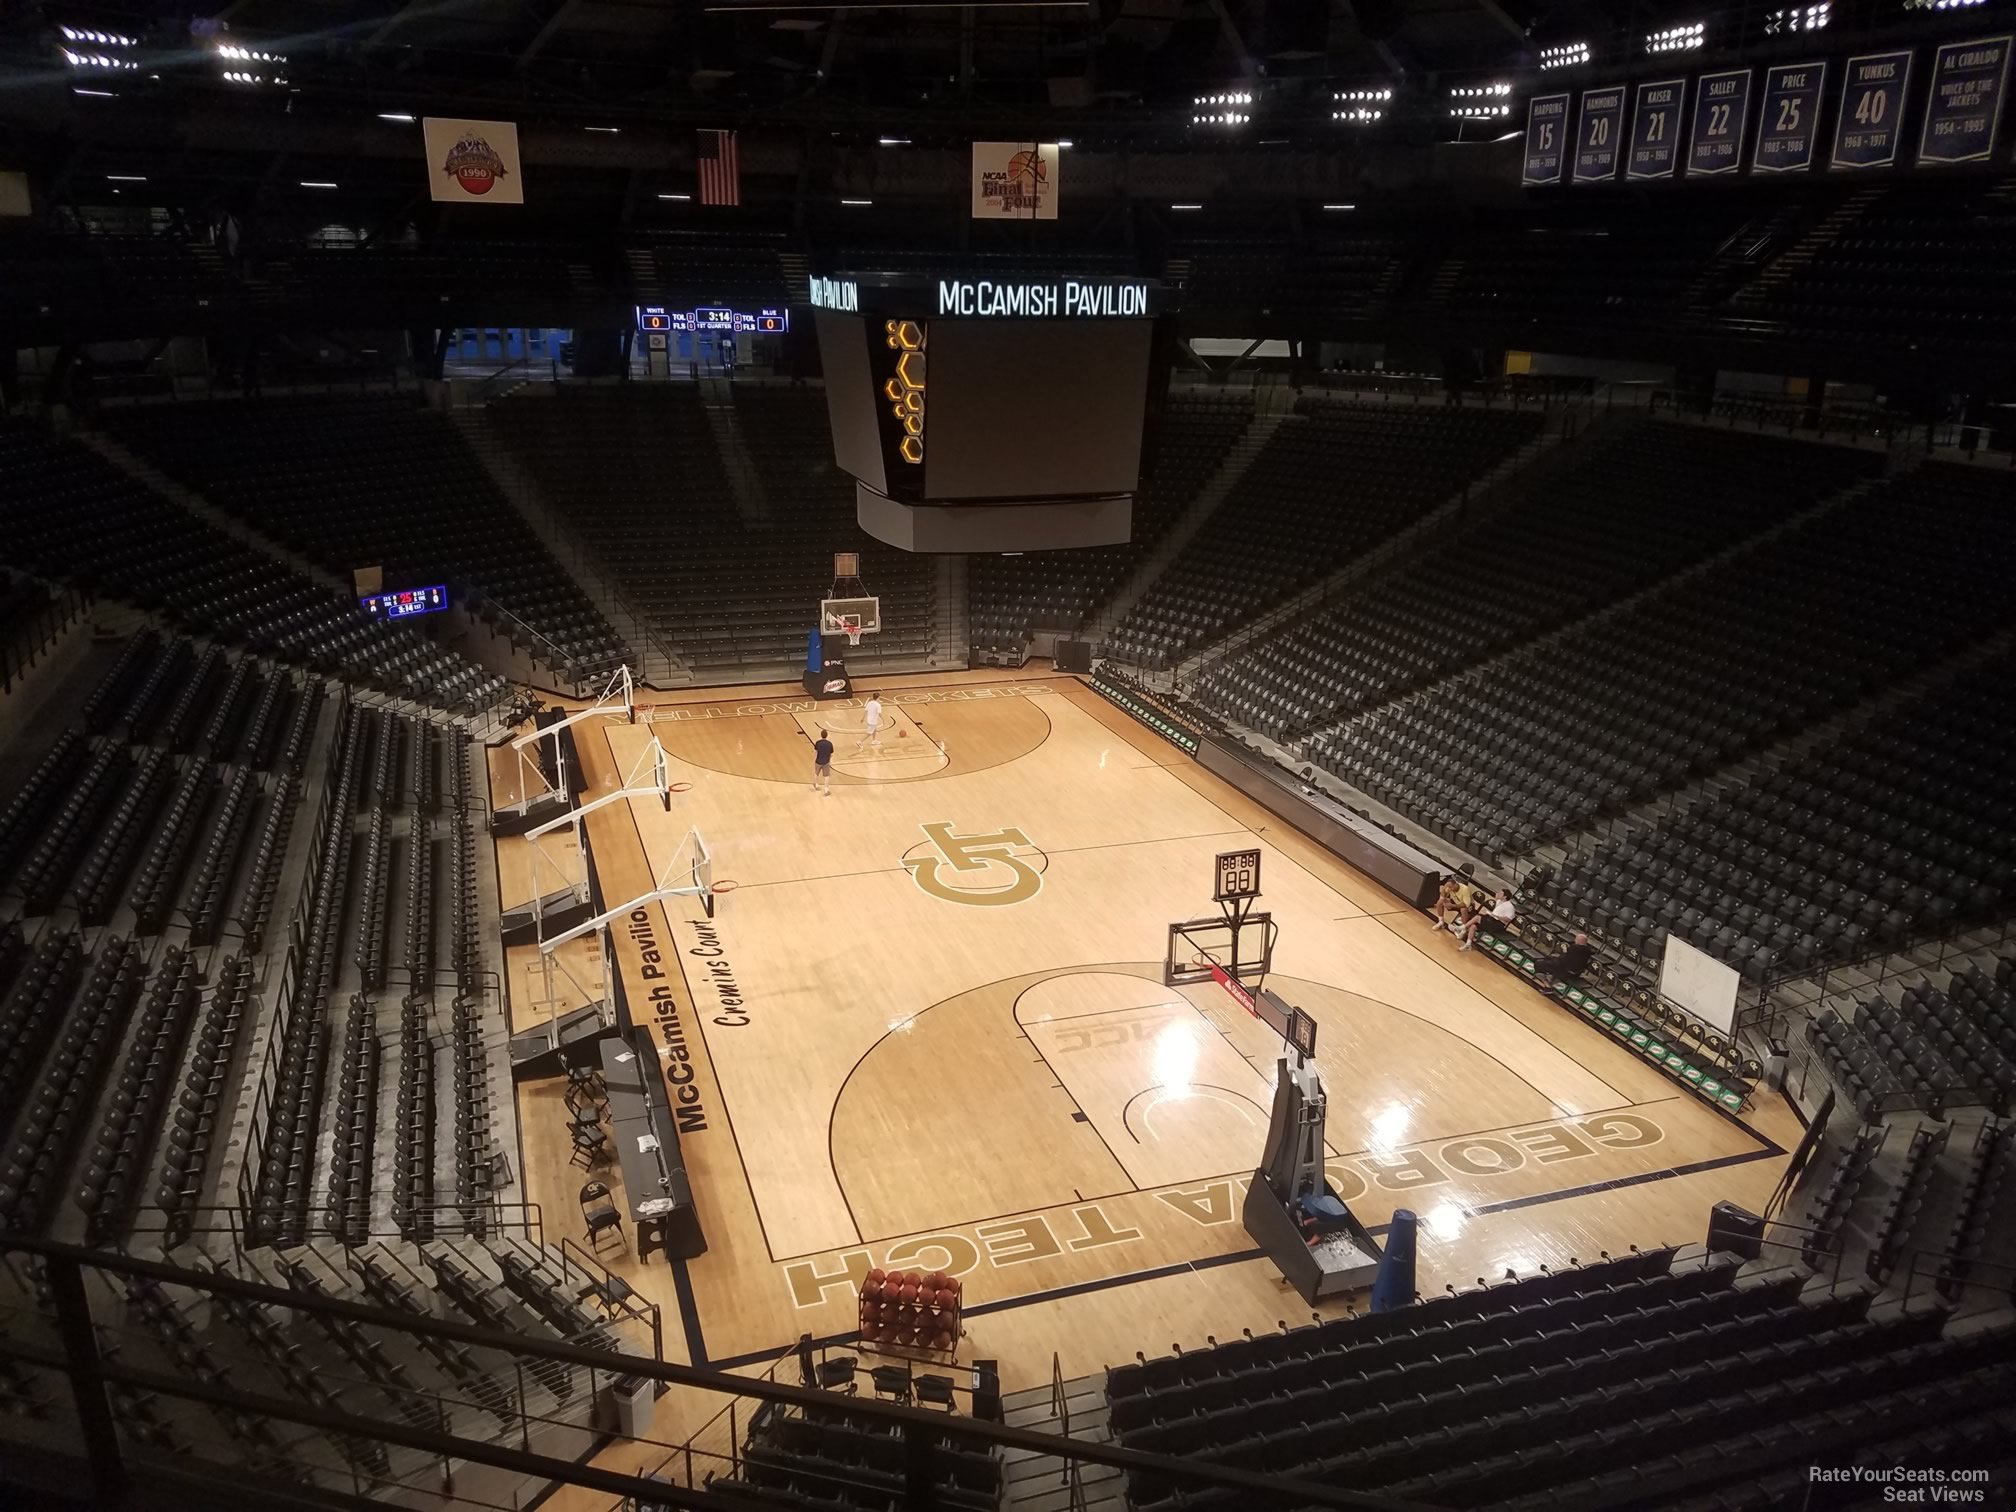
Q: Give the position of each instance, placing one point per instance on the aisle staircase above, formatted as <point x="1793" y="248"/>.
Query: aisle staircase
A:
<point x="141" y="470"/>
<point x="1799" y="256"/>
<point x="1444" y="282"/>
<point x="1209" y="497"/>
<point x="1514" y="479"/>
<point x="797" y="277"/>
<point x="951" y="626"/>
<point x="655" y="661"/>
<point x="717" y="402"/>
<point x="1043" y="1482"/>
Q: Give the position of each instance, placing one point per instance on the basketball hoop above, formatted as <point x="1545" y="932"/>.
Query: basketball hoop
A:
<point x="680" y="787"/>
<point x="849" y="625"/>
<point x="718" y="888"/>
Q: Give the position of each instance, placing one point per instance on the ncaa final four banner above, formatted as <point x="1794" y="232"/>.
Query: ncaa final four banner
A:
<point x="1015" y="180"/>
<point x="473" y="162"/>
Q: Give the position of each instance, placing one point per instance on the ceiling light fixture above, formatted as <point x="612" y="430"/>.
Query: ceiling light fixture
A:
<point x="1795" y="18"/>
<point x="1564" y="55"/>
<point x="395" y="115"/>
<point x="316" y="184"/>
<point x="1683" y="38"/>
<point x="675" y="196"/>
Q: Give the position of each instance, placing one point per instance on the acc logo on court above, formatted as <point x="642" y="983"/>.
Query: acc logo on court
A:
<point x="985" y="871"/>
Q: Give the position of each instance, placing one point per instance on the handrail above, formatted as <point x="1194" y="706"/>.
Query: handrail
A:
<point x="1957" y="1270"/>
<point x="64" y="1265"/>
<point x="28" y="639"/>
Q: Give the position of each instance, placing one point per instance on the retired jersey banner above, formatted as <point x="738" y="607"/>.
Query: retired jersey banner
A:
<point x="1872" y="110"/>
<point x="473" y="162"/>
<point x="1721" y="112"/>
<point x="1655" y="130"/>
<point x="1599" y="135"/>
<point x="1015" y="180"/>
<point x="1968" y="81"/>
<point x="1790" y="123"/>
<point x="1546" y="139"/>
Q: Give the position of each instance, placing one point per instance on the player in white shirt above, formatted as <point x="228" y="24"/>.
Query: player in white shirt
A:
<point x="1497" y="916"/>
<point x="871" y="724"/>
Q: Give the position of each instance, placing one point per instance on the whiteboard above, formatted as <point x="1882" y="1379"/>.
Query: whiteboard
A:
<point x="1699" y="983"/>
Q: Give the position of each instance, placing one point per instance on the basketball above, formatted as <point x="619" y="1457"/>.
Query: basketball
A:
<point x="902" y="734"/>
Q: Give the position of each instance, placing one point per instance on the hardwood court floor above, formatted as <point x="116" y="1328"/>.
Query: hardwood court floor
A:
<point x="929" y="1029"/>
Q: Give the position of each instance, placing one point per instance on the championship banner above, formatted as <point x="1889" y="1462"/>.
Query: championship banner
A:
<point x="1721" y="114"/>
<point x="1599" y="134"/>
<point x="1968" y="81"/>
<point x="1546" y="132"/>
<point x="1872" y="110"/>
<point x="1655" y="130"/>
<point x="1789" y="127"/>
<point x="473" y="162"/>
<point x="1015" y="180"/>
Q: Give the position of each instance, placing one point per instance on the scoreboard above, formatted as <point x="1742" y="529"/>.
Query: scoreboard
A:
<point x="1236" y="875"/>
<point x="713" y="320"/>
<point x="405" y="602"/>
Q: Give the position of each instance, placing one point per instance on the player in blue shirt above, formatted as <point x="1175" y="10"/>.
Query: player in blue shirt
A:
<point x="822" y="765"/>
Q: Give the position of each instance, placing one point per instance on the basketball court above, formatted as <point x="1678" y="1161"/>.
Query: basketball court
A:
<point x="929" y="1027"/>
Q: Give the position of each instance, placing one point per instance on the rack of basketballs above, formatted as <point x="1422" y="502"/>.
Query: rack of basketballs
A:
<point x="911" y="1310"/>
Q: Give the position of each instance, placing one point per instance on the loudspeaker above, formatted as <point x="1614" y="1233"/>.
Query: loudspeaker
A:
<point x="1735" y="1230"/>
<point x="987" y="1391"/>
<point x="1073" y="656"/>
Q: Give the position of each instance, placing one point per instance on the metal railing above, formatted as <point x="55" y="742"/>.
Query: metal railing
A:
<point x="113" y="1453"/>
<point x="1953" y="1277"/>
<point x="30" y="637"/>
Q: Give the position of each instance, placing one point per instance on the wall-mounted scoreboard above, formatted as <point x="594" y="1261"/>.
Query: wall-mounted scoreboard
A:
<point x="716" y="320"/>
<point x="405" y="602"/>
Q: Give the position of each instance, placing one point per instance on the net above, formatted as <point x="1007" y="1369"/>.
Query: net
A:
<point x="852" y="617"/>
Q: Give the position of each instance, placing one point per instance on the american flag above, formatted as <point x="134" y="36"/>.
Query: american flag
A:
<point x="720" y="169"/>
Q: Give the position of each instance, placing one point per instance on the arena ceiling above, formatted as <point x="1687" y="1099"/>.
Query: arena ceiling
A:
<point x="1070" y="54"/>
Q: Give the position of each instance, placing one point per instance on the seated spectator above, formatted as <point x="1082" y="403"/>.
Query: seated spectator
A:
<point x="1569" y="965"/>
<point x="1492" y="919"/>
<point x="1465" y="898"/>
<point x="1446" y="907"/>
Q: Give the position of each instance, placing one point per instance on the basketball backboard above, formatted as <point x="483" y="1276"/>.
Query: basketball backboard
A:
<point x="835" y="613"/>
<point x="1243" y="949"/>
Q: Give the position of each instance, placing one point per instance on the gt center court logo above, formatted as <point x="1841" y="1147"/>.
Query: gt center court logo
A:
<point x="982" y="871"/>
